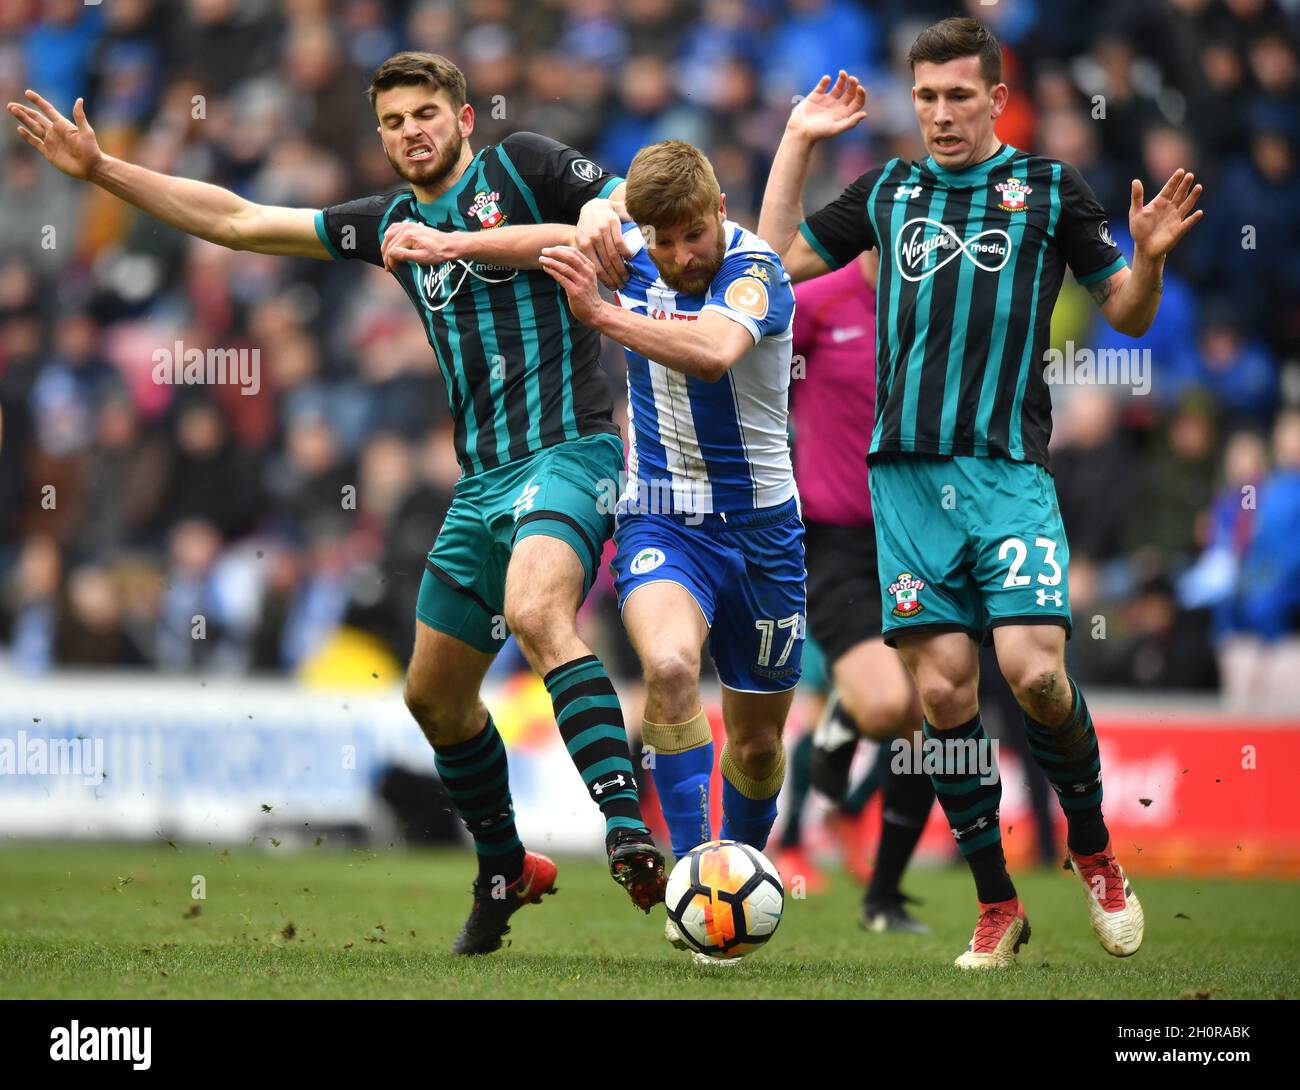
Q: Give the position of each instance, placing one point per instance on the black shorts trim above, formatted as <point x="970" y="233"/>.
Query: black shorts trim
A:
<point x="891" y="637"/>
<point x="1033" y="618"/>
<point x="593" y="551"/>
<point x="447" y="580"/>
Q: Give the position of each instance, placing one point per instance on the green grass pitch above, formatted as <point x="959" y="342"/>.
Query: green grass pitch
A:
<point x="104" y="921"/>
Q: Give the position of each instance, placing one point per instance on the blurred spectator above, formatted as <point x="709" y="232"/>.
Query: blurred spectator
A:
<point x="125" y="481"/>
<point x="1093" y="464"/>
<point x="1241" y="374"/>
<point x="819" y="37"/>
<point x="1161" y="646"/>
<point x="1212" y="580"/>
<point x="93" y="629"/>
<point x="1261" y="651"/>
<point x="210" y="479"/>
<point x="32" y="604"/>
<point x="1174" y="486"/>
<point x="1268" y="586"/>
<point x="59" y="47"/>
<point x="1250" y="251"/>
<point x="647" y="113"/>
<point x="208" y="611"/>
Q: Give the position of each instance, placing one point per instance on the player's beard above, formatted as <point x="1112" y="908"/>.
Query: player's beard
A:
<point x="432" y="171"/>
<point x="697" y="279"/>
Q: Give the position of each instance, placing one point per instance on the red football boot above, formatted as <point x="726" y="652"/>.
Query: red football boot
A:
<point x="495" y="904"/>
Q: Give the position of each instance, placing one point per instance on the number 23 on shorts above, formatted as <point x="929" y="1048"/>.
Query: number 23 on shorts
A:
<point x="1028" y="577"/>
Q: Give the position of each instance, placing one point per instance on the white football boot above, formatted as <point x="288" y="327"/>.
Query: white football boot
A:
<point x="1000" y="932"/>
<point x="716" y="963"/>
<point x="1113" y="909"/>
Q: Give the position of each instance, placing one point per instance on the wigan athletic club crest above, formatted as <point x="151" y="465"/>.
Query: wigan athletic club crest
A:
<point x="1014" y="192"/>
<point x="487" y="210"/>
<point x="906" y="590"/>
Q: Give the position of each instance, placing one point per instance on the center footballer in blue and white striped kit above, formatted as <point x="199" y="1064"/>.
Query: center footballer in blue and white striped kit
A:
<point x="710" y="503"/>
<point x="709" y="536"/>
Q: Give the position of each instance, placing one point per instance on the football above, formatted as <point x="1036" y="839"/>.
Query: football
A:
<point x="726" y="898"/>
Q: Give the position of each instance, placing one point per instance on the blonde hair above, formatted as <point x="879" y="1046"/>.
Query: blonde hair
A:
<point x="671" y="183"/>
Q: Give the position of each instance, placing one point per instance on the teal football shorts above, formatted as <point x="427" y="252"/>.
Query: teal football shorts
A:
<point x="966" y="544"/>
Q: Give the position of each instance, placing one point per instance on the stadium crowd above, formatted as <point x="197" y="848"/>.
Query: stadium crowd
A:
<point x="129" y="507"/>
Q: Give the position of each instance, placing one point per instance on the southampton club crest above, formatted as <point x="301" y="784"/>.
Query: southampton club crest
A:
<point x="1014" y="192"/>
<point x="906" y="590"/>
<point x="486" y="209"/>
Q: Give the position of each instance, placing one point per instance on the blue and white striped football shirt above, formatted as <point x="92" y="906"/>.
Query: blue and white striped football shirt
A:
<point x="712" y="447"/>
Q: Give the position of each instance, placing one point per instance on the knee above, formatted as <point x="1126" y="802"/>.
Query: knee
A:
<point x="882" y="713"/>
<point x="443" y="721"/>
<point x="1040" y="687"/>
<point x="948" y="699"/>
<point x="532" y="622"/>
<point x="672" y="676"/>
<point x="757" y="754"/>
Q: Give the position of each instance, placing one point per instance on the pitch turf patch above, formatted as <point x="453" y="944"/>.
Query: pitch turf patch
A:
<point x="120" y="922"/>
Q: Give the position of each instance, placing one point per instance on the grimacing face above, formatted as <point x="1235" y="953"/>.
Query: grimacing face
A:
<point x="421" y="132"/>
<point x="689" y="255"/>
<point x="956" y="110"/>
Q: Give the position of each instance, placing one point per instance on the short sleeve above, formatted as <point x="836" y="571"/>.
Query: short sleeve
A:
<point x="753" y="289"/>
<point x="352" y="230"/>
<point x="1083" y="231"/>
<point x="842" y="230"/>
<point x="561" y="179"/>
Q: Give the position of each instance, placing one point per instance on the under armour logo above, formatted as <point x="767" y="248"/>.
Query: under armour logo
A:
<point x="982" y="823"/>
<point x="486" y="823"/>
<point x="1043" y="597"/>
<point x="1087" y="785"/>
<point x="599" y="789"/>
<point x="907" y="192"/>
<point x="524" y="501"/>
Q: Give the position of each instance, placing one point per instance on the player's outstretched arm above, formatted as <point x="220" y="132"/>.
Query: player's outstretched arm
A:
<point x="705" y="348"/>
<point x="828" y="111"/>
<point x="205" y="211"/>
<point x="1129" y="299"/>
<point x="517" y="247"/>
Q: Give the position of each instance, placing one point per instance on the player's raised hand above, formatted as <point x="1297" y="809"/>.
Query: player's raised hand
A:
<point x="600" y="238"/>
<point x="831" y="108"/>
<point x="70" y="147"/>
<point x="409" y="241"/>
<point x="576" y="274"/>
<point x="1157" y="227"/>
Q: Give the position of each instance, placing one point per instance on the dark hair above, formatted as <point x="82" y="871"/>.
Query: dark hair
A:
<point x="406" y="69"/>
<point x="958" y="37"/>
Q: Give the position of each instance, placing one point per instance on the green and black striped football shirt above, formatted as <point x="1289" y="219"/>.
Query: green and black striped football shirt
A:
<point x="522" y="374"/>
<point x="971" y="262"/>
